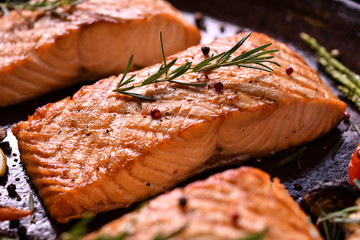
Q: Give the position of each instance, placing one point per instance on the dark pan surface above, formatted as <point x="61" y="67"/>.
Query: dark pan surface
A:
<point x="336" y="24"/>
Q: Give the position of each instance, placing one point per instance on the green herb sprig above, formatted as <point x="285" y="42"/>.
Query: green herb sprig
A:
<point x="42" y="5"/>
<point x="295" y="156"/>
<point x="254" y="58"/>
<point x="333" y="222"/>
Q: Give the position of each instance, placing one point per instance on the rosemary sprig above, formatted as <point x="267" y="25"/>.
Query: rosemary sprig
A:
<point x="296" y="155"/>
<point x="254" y="58"/>
<point x="341" y="216"/>
<point x="42" y="5"/>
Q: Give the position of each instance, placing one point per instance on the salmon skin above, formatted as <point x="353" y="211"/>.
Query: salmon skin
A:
<point x="229" y="205"/>
<point x="101" y="150"/>
<point x="95" y="41"/>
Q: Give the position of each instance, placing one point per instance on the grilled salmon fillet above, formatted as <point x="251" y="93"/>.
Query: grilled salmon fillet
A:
<point x="228" y="205"/>
<point x="96" y="40"/>
<point x="101" y="150"/>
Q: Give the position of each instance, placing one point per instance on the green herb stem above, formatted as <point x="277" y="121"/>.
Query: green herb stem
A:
<point x="254" y="58"/>
<point x="296" y="155"/>
<point x="336" y="149"/>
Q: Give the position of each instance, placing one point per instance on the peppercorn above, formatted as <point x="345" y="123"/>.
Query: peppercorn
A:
<point x="346" y="117"/>
<point x="218" y="86"/>
<point x="234" y="216"/>
<point x="182" y="202"/>
<point x="289" y="70"/>
<point x="205" y="50"/>
<point x="12" y="190"/>
<point x="297" y="187"/>
<point x="155" y="113"/>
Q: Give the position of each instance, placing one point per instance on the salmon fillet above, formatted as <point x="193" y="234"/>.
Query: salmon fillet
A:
<point x="101" y="150"/>
<point x="228" y="205"/>
<point x="95" y="41"/>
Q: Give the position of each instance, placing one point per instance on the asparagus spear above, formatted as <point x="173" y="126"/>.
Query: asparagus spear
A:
<point x="350" y="81"/>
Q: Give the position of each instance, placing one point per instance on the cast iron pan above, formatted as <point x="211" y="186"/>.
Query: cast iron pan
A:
<point x="336" y="24"/>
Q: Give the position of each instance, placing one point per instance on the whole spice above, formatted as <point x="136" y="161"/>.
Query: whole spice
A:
<point x="234" y="216"/>
<point x="12" y="190"/>
<point x="289" y="70"/>
<point x="205" y="50"/>
<point x="155" y="113"/>
<point x="218" y="86"/>
<point x="182" y="201"/>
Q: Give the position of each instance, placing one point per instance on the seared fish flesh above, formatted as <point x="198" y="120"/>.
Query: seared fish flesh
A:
<point x="101" y="150"/>
<point x="96" y="40"/>
<point x="229" y="205"/>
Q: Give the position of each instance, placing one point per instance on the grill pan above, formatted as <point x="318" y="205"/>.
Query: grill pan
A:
<point x="336" y="24"/>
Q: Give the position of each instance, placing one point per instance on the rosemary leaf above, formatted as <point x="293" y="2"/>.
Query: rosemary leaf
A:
<point x="162" y="50"/>
<point x="123" y="81"/>
<point x="296" y="155"/>
<point x="336" y="149"/>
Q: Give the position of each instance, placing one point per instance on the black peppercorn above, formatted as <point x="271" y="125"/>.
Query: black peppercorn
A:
<point x="182" y="201"/>
<point x="205" y="50"/>
<point x="12" y="190"/>
<point x="297" y="187"/>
